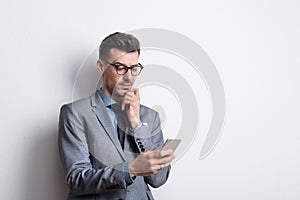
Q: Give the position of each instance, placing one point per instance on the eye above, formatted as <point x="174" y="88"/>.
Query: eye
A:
<point x="135" y="68"/>
<point x="121" y="67"/>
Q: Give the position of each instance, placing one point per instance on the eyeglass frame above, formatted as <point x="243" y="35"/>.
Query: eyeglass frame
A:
<point x="126" y="67"/>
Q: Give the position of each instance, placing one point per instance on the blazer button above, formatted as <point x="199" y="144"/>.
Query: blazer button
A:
<point x="142" y="149"/>
<point x="138" y="139"/>
<point x="139" y="143"/>
<point x="141" y="146"/>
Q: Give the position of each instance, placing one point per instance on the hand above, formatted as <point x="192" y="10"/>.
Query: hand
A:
<point x="131" y="103"/>
<point x="151" y="162"/>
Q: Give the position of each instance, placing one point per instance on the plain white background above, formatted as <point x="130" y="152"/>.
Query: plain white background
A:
<point x="254" y="45"/>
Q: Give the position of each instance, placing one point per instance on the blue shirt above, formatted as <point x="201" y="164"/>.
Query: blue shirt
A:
<point x="108" y="102"/>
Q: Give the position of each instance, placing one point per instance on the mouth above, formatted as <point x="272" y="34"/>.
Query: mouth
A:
<point x="125" y="86"/>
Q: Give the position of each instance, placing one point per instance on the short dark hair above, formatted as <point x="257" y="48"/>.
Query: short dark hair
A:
<point x="122" y="41"/>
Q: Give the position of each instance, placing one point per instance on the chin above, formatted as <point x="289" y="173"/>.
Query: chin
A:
<point x="120" y="93"/>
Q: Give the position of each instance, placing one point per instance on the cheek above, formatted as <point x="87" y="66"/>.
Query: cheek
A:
<point x="113" y="79"/>
<point x="109" y="77"/>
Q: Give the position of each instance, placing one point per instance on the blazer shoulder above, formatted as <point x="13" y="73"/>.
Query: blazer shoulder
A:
<point x="148" y="113"/>
<point x="80" y="104"/>
<point x="144" y="108"/>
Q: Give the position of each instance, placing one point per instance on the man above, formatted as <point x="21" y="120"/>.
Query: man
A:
<point x="110" y="144"/>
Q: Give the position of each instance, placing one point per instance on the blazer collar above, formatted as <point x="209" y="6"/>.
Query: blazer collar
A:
<point x="100" y="111"/>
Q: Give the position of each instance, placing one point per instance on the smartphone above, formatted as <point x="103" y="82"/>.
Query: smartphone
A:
<point x="171" y="144"/>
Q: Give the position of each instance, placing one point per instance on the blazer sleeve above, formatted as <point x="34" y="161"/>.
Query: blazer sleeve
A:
<point x="81" y="177"/>
<point x="150" y="137"/>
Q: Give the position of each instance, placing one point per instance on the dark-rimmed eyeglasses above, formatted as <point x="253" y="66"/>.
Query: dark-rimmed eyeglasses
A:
<point x="123" y="69"/>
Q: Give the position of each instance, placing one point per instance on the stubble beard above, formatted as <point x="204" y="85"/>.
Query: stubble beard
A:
<point x="118" y="93"/>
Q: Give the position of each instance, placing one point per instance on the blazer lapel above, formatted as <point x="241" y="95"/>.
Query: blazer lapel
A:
<point x="99" y="109"/>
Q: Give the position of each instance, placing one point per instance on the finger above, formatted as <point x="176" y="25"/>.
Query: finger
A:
<point x="132" y="93"/>
<point x="128" y="98"/>
<point x="156" y="154"/>
<point x="156" y="159"/>
<point x="153" y="154"/>
<point x="126" y="101"/>
<point x="161" y="166"/>
<point x="167" y="159"/>
<point x="166" y="164"/>
<point x="136" y="92"/>
<point x="164" y="153"/>
<point x="123" y="105"/>
<point x="129" y="95"/>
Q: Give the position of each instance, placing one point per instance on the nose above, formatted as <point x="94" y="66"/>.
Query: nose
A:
<point x="128" y="75"/>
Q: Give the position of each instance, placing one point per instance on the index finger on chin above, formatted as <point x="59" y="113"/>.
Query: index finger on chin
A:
<point x="135" y="91"/>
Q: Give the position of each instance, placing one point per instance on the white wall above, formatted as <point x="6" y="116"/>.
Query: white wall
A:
<point x="254" y="45"/>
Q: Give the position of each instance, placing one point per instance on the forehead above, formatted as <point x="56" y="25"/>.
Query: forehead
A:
<point x="117" y="55"/>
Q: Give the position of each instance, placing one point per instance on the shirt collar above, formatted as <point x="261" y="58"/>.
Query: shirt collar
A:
<point x="106" y="99"/>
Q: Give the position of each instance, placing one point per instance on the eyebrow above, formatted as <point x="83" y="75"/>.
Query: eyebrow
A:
<point x="124" y="64"/>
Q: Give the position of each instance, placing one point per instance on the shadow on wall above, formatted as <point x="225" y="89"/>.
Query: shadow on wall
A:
<point x="87" y="77"/>
<point x="45" y="177"/>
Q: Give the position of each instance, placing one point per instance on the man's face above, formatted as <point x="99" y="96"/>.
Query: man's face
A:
<point x="113" y="84"/>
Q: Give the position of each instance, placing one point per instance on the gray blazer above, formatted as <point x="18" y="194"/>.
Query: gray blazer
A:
<point x="93" y="159"/>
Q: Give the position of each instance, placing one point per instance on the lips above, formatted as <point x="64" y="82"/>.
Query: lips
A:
<point x="125" y="85"/>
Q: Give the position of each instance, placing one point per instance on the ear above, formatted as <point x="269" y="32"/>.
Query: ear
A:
<point x="100" y="66"/>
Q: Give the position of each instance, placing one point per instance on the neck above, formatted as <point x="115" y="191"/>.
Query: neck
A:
<point x="114" y="97"/>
